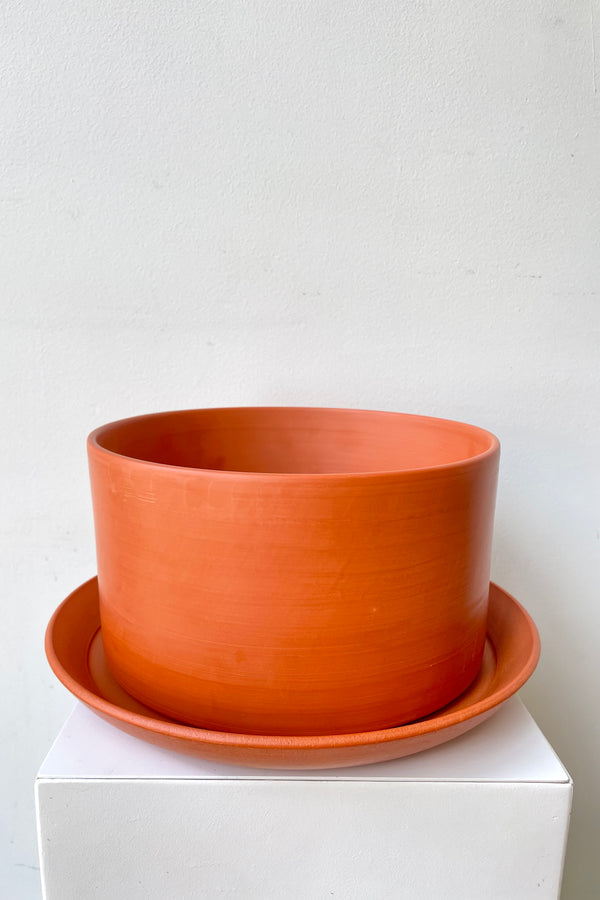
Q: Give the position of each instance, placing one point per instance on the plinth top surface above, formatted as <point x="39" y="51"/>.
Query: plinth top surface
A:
<point x="509" y="747"/>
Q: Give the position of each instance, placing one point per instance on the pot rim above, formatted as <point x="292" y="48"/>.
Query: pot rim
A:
<point x="493" y="448"/>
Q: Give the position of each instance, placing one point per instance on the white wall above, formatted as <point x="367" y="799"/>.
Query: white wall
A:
<point x="370" y="204"/>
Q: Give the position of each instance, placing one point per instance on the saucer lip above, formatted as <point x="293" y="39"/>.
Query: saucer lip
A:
<point x="491" y="450"/>
<point x="432" y="724"/>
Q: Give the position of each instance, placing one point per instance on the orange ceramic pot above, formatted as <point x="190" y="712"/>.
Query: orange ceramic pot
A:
<point x="293" y="571"/>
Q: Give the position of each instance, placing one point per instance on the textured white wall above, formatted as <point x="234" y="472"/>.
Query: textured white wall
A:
<point x="370" y="204"/>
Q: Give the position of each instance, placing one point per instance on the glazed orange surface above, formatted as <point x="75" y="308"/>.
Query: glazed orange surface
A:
<point x="293" y="571"/>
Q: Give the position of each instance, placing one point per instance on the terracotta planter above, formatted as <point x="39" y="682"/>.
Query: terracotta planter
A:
<point x="293" y="571"/>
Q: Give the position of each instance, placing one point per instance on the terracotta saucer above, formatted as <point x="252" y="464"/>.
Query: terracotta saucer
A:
<point x="76" y="655"/>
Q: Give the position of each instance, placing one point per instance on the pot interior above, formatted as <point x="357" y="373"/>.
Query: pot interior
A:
<point x="294" y="440"/>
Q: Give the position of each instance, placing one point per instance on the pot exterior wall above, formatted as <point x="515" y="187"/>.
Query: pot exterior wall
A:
<point x="254" y="603"/>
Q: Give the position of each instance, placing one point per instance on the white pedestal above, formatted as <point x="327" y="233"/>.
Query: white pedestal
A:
<point x="483" y="817"/>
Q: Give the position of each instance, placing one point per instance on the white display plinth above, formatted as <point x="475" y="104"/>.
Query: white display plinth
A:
<point x="483" y="817"/>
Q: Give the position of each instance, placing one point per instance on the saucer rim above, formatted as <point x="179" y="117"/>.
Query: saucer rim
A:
<point x="190" y="734"/>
